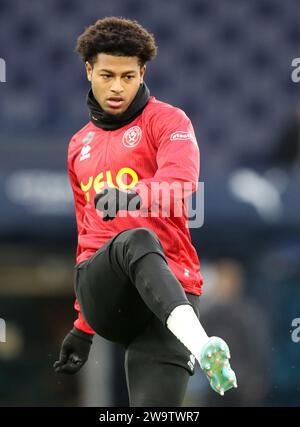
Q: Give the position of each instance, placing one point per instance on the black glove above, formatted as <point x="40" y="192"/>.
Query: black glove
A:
<point x="74" y="352"/>
<point x="112" y="200"/>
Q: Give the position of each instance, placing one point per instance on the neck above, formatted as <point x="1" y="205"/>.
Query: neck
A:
<point x="107" y="121"/>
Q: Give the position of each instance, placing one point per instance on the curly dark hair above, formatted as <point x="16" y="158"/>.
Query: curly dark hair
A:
<point x="116" y="36"/>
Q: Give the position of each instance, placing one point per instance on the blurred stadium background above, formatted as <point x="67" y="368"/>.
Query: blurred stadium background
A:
<point x="228" y="65"/>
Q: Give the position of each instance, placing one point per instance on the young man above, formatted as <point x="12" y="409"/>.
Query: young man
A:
<point x="137" y="274"/>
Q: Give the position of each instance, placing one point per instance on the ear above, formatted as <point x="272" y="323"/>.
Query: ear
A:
<point x="89" y="71"/>
<point x="142" y="73"/>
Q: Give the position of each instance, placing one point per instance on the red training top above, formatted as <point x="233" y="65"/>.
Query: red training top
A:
<point x="158" y="146"/>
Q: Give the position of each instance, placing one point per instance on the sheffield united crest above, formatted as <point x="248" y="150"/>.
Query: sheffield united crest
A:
<point x="132" y="137"/>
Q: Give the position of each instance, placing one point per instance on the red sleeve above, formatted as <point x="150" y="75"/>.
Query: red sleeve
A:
<point x="80" y="323"/>
<point x="79" y="201"/>
<point x="178" y="161"/>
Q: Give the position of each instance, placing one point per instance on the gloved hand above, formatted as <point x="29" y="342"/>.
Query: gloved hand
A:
<point x="74" y="352"/>
<point x="111" y="200"/>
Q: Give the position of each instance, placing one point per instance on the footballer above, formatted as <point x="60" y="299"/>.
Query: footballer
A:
<point x="138" y="279"/>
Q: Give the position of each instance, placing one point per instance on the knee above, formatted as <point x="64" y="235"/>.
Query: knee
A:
<point x="142" y="241"/>
<point x="143" y="234"/>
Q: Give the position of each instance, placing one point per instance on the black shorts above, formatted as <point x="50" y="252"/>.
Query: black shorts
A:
<point x="113" y="307"/>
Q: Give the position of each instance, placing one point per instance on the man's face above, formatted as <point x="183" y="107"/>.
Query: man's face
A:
<point x="115" y="81"/>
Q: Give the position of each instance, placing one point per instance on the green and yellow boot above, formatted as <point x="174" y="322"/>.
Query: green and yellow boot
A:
<point x="214" y="361"/>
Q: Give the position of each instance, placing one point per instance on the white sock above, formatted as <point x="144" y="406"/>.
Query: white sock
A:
<point x="185" y="325"/>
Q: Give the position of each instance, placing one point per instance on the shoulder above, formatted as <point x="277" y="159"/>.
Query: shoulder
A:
<point x="164" y="120"/>
<point x="160" y="112"/>
<point x="79" y="135"/>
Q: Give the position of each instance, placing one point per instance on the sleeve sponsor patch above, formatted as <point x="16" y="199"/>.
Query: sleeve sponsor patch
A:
<point x="181" y="135"/>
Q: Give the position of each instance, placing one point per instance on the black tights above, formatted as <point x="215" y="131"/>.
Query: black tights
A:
<point x="155" y="384"/>
<point x="126" y="292"/>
